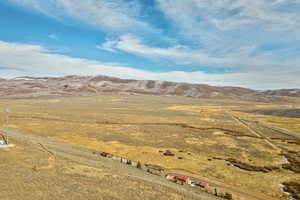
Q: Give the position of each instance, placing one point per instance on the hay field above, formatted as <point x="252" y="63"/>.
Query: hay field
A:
<point x="139" y="127"/>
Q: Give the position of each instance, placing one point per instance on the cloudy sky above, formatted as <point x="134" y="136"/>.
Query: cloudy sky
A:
<point x="254" y="44"/>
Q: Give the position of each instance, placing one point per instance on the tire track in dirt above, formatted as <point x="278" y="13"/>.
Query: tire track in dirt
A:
<point x="51" y="159"/>
<point x="256" y="133"/>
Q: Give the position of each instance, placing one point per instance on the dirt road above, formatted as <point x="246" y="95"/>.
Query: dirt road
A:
<point x="273" y="128"/>
<point x="255" y="132"/>
<point x="86" y="156"/>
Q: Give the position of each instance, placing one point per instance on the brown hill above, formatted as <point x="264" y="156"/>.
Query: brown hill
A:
<point x="28" y="87"/>
<point x="72" y="85"/>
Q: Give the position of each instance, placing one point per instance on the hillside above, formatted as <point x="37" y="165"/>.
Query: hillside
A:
<point x="31" y="87"/>
<point x="70" y="85"/>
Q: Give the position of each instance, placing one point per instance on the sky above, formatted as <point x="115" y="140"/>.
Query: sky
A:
<point x="246" y="43"/>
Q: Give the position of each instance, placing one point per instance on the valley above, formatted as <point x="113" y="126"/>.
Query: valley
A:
<point x="212" y="139"/>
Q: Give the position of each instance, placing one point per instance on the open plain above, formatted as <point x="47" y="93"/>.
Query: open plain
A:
<point x="211" y="140"/>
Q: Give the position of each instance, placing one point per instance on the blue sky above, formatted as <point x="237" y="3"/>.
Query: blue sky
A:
<point x="254" y="44"/>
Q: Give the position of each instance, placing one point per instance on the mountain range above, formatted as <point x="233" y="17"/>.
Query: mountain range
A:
<point x="28" y="87"/>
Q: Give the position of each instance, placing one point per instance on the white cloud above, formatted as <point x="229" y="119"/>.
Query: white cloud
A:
<point x="230" y="14"/>
<point x="228" y="25"/>
<point x="181" y="55"/>
<point x="111" y="15"/>
<point x="25" y="59"/>
<point x="108" y="45"/>
<point x="226" y="32"/>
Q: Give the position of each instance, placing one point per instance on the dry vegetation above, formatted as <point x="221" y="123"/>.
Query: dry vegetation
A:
<point x="25" y="174"/>
<point x="289" y="123"/>
<point x="139" y="127"/>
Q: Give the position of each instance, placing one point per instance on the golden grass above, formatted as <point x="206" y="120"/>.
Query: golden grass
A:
<point x="76" y="121"/>
<point x="21" y="179"/>
<point x="288" y="123"/>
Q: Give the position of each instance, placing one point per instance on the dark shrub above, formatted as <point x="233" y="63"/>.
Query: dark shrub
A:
<point x="228" y="196"/>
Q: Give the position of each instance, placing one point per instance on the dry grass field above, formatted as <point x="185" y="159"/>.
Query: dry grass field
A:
<point x="139" y="127"/>
<point x="289" y="123"/>
<point x="26" y="174"/>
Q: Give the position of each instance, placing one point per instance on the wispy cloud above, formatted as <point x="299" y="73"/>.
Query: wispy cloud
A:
<point x="26" y="59"/>
<point x="277" y="15"/>
<point x="228" y="25"/>
<point x="108" y="45"/>
<point x="179" y="54"/>
<point x="241" y="59"/>
<point x="111" y="15"/>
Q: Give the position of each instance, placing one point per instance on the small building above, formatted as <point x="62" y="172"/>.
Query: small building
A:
<point x="124" y="160"/>
<point x="155" y="167"/>
<point x="155" y="172"/>
<point x="183" y="179"/>
<point x="133" y="163"/>
<point x="116" y="158"/>
<point x="109" y="155"/>
<point x="170" y="177"/>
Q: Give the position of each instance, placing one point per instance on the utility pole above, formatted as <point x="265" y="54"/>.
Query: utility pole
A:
<point x="6" y="124"/>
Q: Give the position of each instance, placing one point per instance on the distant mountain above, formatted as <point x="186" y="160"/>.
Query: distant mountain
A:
<point x="284" y="92"/>
<point x="70" y="85"/>
<point x="23" y="87"/>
